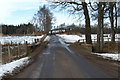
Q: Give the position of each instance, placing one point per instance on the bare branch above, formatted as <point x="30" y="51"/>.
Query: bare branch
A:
<point x="92" y="7"/>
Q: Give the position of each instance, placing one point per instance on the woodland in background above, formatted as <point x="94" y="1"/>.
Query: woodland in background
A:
<point x="23" y="29"/>
<point x="81" y="29"/>
<point x="18" y="29"/>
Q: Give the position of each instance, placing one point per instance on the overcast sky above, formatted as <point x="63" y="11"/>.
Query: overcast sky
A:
<point x="21" y="11"/>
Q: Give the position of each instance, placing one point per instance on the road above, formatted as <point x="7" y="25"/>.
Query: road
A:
<point x="59" y="61"/>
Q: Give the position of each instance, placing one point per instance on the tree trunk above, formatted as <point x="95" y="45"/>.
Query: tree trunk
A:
<point x="112" y="22"/>
<point x="99" y="27"/>
<point x="102" y="27"/>
<point x="87" y="24"/>
<point x="116" y="16"/>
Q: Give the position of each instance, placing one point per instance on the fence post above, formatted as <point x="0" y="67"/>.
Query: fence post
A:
<point x="9" y="53"/>
<point x="118" y="40"/>
<point x="117" y="44"/>
<point x="108" y="44"/>
<point x="0" y="54"/>
<point x="94" y="40"/>
<point x="83" y="40"/>
<point x="18" y="55"/>
<point x="108" y="39"/>
<point x="11" y="42"/>
<point x="26" y="47"/>
<point x="35" y="40"/>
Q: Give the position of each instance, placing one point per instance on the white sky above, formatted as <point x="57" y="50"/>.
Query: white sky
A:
<point x="9" y="7"/>
<point x="21" y="11"/>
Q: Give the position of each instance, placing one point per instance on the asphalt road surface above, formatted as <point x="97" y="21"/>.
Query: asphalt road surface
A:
<point x="59" y="61"/>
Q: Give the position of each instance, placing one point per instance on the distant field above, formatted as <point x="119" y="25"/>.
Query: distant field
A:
<point x="18" y="39"/>
<point x="74" y="38"/>
<point x="67" y="38"/>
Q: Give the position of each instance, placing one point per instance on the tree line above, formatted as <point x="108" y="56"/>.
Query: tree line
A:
<point x="42" y="22"/>
<point x="18" y="29"/>
<point x="81" y="29"/>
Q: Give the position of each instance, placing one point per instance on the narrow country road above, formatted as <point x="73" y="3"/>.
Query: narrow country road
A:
<point x="58" y="61"/>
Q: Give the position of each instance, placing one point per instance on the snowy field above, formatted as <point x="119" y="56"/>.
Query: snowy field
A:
<point x="74" y="38"/>
<point x="18" y="39"/>
<point x="9" y="67"/>
<point x="69" y="38"/>
<point x="108" y="55"/>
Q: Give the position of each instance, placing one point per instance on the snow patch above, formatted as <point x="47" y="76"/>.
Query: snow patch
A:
<point x="74" y="38"/>
<point x="65" y="45"/>
<point x="9" y="67"/>
<point x="69" y="38"/>
<point x="109" y="55"/>
<point x="47" y="38"/>
<point x="18" y="39"/>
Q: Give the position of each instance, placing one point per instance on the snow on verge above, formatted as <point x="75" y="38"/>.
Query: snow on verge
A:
<point x="108" y="55"/>
<point x="74" y="38"/>
<point x="69" y="38"/>
<point x="9" y="67"/>
<point x="65" y="45"/>
<point x="47" y="38"/>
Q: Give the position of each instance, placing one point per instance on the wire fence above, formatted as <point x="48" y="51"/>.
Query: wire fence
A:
<point x="95" y="40"/>
<point x="108" y="46"/>
<point x="12" y="52"/>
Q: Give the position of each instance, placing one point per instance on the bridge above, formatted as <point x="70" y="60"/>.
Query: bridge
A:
<point x="62" y="30"/>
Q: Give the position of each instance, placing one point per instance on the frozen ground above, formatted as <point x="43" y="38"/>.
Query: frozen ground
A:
<point x="18" y="39"/>
<point x="109" y="55"/>
<point x="74" y="38"/>
<point x="9" y="67"/>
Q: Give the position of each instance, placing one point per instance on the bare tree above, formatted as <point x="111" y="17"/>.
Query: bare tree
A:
<point x="111" y="16"/>
<point x="78" y="6"/>
<point x="87" y="23"/>
<point x="105" y="10"/>
<point x="44" y="19"/>
<point x="101" y="10"/>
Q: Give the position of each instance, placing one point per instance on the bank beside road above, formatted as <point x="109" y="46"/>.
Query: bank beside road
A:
<point x="17" y="65"/>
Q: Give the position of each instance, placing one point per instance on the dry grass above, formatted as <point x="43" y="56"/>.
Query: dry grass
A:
<point x="109" y="47"/>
